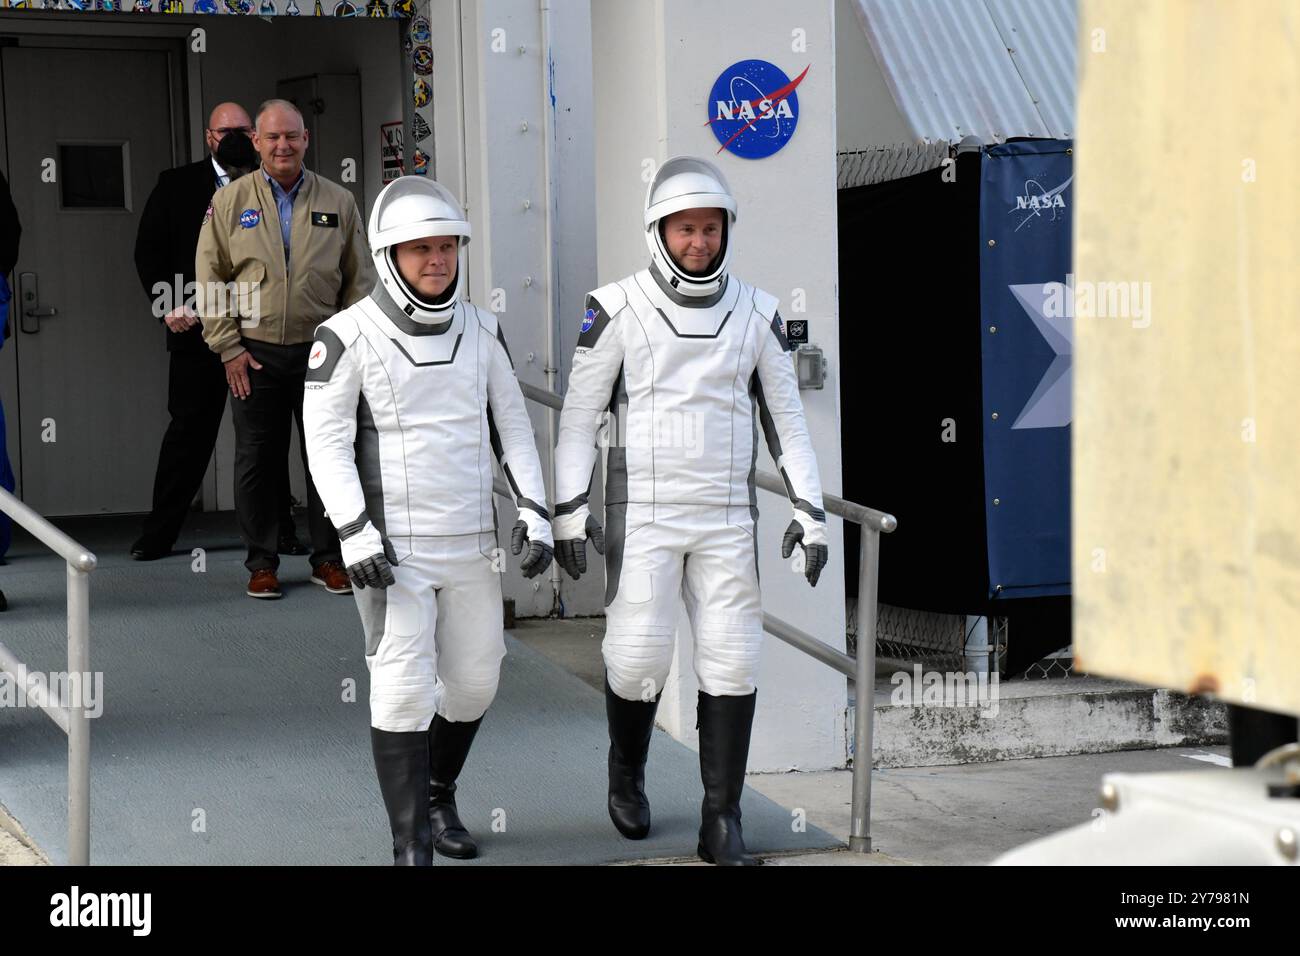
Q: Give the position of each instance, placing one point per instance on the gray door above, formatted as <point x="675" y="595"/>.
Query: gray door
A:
<point x="92" y="370"/>
<point x="331" y="108"/>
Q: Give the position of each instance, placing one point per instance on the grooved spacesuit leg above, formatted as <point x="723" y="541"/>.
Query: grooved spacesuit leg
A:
<point x="434" y="638"/>
<point x="644" y="568"/>
<point x="720" y="590"/>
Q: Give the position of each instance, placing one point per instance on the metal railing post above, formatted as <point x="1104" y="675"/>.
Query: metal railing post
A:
<point x="68" y="715"/>
<point x="865" y="689"/>
<point x="80" y="683"/>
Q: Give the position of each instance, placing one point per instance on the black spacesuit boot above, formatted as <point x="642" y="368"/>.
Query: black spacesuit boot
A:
<point x="725" y="724"/>
<point x="449" y="744"/>
<point x="631" y="723"/>
<point x="402" y="762"/>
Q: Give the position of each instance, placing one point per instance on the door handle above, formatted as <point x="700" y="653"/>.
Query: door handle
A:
<point x="30" y="295"/>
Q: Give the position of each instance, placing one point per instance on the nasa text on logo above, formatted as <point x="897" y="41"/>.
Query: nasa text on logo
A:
<point x="753" y="108"/>
<point x="250" y="218"/>
<point x="588" y="320"/>
<point x="1038" y="199"/>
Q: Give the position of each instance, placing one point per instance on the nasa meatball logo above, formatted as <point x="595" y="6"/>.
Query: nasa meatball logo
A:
<point x="588" y="320"/>
<point x="250" y="218"/>
<point x="318" y="353"/>
<point x="753" y="108"/>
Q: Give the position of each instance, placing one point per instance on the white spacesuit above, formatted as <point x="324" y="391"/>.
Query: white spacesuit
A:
<point x="690" y="363"/>
<point x="407" y="398"/>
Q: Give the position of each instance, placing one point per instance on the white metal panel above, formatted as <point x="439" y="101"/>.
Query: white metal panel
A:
<point x="950" y="67"/>
<point x="1040" y="37"/>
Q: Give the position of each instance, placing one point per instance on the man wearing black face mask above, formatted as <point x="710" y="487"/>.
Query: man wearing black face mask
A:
<point x="164" y="260"/>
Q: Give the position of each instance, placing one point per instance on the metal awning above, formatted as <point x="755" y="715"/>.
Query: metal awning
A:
<point x="989" y="68"/>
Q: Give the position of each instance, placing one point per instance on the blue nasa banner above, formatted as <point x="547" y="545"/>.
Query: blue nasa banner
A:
<point x="1026" y="359"/>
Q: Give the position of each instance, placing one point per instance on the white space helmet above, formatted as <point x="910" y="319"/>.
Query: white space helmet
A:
<point x="685" y="182"/>
<point x="413" y="207"/>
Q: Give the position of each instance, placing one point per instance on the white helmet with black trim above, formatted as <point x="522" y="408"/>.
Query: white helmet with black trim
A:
<point x="687" y="182"/>
<point x="414" y="207"/>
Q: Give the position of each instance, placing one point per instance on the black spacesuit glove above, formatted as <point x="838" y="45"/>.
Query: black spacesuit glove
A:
<point x="538" y="558"/>
<point x="815" y="555"/>
<point x="374" y="571"/>
<point x="571" y="553"/>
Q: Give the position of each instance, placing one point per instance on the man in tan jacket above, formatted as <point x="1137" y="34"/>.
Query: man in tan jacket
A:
<point x="281" y="250"/>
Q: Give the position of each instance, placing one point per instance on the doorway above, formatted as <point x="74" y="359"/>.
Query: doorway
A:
<point x="88" y="369"/>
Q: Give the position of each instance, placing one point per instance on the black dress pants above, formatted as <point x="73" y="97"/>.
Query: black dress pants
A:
<point x="262" y="453"/>
<point x="196" y="400"/>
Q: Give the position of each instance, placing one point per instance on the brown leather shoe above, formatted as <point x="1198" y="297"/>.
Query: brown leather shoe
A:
<point x="331" y="576"/>
<point x="264" y="584"/>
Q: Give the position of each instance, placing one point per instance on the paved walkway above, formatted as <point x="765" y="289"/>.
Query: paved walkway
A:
<point x="235" y="731"/>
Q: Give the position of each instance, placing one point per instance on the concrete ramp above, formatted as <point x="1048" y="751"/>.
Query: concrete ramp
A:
<point x="227" y="735"/>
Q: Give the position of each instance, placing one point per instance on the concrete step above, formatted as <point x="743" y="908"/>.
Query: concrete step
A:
<point x="921" y="722"/>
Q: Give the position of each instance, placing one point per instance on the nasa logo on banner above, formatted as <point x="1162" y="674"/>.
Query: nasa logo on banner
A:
<point x="753" y="108"/>
<point x="422" y="60"/>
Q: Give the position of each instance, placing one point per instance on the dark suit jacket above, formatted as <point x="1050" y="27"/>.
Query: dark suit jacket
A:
<point x="10" y="230"/>
<point x="168" y="235"/>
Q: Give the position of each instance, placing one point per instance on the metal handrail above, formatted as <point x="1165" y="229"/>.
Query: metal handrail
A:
<point x="861" y="669"/>
<point x="69" y="716"/>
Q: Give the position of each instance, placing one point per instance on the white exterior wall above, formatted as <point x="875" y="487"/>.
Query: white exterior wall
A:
<point x="483" y="152"/>
<point x="865" y="112"/>
<point x="654" y="64"/>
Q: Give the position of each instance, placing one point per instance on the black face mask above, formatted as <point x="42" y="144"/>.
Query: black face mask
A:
<point x="236" y="155"/>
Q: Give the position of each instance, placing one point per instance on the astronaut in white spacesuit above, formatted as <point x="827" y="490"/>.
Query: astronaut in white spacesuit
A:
<point x="690" y="361"/>
<point x="409" y="393"/>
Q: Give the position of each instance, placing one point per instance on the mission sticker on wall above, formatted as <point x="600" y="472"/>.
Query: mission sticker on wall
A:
<point x="420" y="128"/>
<point x="423" y="92"/>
